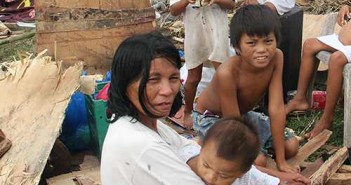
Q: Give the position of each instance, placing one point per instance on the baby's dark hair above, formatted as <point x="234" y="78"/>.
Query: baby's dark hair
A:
<point x="254" y="20"/>
<point x="236" y="140"/>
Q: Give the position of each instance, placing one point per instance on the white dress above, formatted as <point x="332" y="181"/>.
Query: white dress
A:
<point x="206" y="34"/>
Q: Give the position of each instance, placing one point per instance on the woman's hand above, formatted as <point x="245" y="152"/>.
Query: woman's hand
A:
<point x="293" y="179"/>
<point x="343" y="15"/>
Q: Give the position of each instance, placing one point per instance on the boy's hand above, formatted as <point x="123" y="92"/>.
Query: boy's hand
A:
<point x="343" y="15"/>
<point x="285" y="167"/>
<point x="294" y="179"/>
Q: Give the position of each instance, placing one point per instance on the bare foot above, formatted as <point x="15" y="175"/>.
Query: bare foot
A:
<point x="318" y="128"/>
<point x="296" y="104"/>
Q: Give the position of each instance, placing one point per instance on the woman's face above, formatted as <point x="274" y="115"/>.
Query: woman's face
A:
<point x="161" y="88"/>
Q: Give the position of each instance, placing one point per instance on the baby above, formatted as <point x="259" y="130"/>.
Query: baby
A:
<point x="229" y="150"/>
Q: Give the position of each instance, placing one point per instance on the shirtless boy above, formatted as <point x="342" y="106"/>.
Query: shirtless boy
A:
<point x="239" y="84"/>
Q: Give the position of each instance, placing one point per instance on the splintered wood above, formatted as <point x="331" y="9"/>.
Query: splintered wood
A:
<point x="323" y="174"/>
<point x="34" y="95"/>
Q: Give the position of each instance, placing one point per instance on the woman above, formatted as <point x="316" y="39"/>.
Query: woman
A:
<point x="139" y="149"/>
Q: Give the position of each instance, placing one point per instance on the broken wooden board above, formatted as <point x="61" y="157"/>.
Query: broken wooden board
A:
<point x="89" y="31"/>
<point x="321" y="176"/>
<point x="306" y="150"/>
<point x="312" y="167"/>
<point x="340" y="179"/>
<point x="85" y="177"/>
<point x="345" y="169"/>
<point x="34" y="96"/>
<point x="310" y="147"/>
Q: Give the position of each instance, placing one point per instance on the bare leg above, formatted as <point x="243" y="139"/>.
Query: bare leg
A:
<point x="192" y="81"/>
<point x="308" y="65"/>
<point x="261" y="160"/>
<point x="291" y="147"/>
<point x="334" y="86"/>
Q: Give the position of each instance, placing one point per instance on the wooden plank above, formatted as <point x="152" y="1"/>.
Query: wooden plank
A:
<point x="310" y="147"/>
<point x="329" y="167"/>
<point x="63" y="19"/>
<point x="340" y="179"/>
<point x="99" y="4"/>
<point x="96" y="48"/>
<point x="92" y="174"/>
<point x="32" y="110"/>
<point x="347" y="106"/>
<point x="312" y="168"/>
<point x="306" y="150"/>
<point x="345" y="169"/>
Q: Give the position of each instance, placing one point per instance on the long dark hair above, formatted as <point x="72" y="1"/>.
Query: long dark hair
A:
<point x="131" y="62"/>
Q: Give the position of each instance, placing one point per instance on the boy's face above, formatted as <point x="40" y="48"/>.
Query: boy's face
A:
<point x="214" y="170"/>
<point x="257" y="51"/>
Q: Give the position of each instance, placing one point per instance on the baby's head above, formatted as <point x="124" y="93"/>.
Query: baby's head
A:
<point x="229" y="149"/>
<point x="254" y="20"/>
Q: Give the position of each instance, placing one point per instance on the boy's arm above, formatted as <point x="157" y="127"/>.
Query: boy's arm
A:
<point x="179" y="7"/>
<point x="277" y="113"/>
<point x="226" y="91"/>
<point x="226" y="4"/>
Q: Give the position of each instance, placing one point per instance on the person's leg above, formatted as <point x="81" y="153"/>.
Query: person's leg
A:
<point x="261" y="160"/>
<point x="192" y="81"/>
<point x="291" y="147"/>
<point x="216" y="64"/>
<point x="337" y="62"/>
<point x="307" y="68"/>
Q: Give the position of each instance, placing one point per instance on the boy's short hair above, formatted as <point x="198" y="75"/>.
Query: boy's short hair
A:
<point x="254" y="20"/>
<point x="236" y="140"/>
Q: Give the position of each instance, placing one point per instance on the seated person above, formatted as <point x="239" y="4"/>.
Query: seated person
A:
<point x="228" y="152"/>
<point x="340" y="46"/>
<point x="239" y="84"/>
<point x="278" y="6"/>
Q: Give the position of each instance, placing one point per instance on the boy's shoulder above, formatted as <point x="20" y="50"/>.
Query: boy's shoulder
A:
<point x="230" y="68"/>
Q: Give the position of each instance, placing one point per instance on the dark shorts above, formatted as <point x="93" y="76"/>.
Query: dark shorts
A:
<point x="203" y="122"/>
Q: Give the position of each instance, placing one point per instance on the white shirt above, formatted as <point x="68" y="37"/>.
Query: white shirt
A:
<point x="134" y="154"/>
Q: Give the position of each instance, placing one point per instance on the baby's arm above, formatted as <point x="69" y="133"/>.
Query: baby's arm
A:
<point x="179" y="7"/>
<point x="277" y="113"/>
